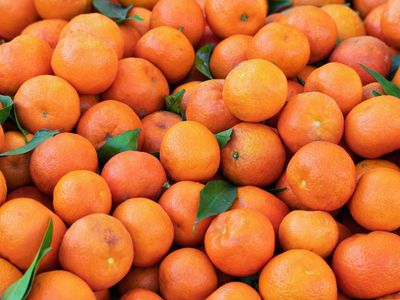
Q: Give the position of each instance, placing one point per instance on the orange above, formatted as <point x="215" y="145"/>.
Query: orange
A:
<point x="61" y="9"/>
<point x="154" y="127"/>
<point x="52" y="159"/>
<point x="181" y="202"/>
<point x="42" y="102"/>
<point x="149" y="4"/>
<point x="81" y="193"/>
<point x="390" y="23"/>
<point x="316" y="2"/>
<point x="85" y="62"/>
<point x="229" y="17"/>
<point x="139" y="84"/>
<point x="344" y="232"/>
<point x="102" y="294"/>
<point x="373" y="22"/>
<point x="191" y="144"/>
<point x="285" y="46"/>
<point x="297" y="274"/>
<point x="368" y="88"/>
<point x="375" y="204"/>
<point x="187" y="274"/>
<point x="239" y="242"/>
<point x="107" y="119"/>
<point x="23" y="222"/>
<point x="31" y="191"/>
<point x="8" y="274"/>
<point x="209" y="95"/>
<point x="48" y="30"/>
<point x="396" y="78"/>
<point x="145" y="278"/>
<point x="87" y="101"/>
<point x="303" y="74"/>
<point x="209" y="36"/>
<point x="169" y="50"/>
<point x="150" y="227"/>
<point x="266" y="203"/>
<point x="255" y="90"/>
<point x="189" y="87"/>
<point x="61" y="285"/>
<point x="22" y="58"/>
<point x="287" y="195"/>
<point x="366" y="50"/>
<point x="228" y="54"/>
<point x="253" y="149"/>
<point x="368" y="265"/>
<point x="133" y="174"/>
<point x="97" y="248"/>
<point x="365" y="6"/>
<point x="371" y="129"/>
<point x="141" y="26"/>
<point x="130" y="36"/>
<point x="322" y="175"/>
<point x="140" y="294"/>
<point x="317" y="25"/>
<point x="309" y="117"/>
<point x="366" y="165"/>
<point x="2" y="137"/>
<point x="316" y="231"/>
<point x="234" y="291"/>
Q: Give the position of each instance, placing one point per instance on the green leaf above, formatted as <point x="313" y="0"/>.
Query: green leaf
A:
<point x="277" y="5"/>
<point x="299" y="80"/>
<point x="124" y="142"/>
<point x="395" y="66"/>
<point x="276" y="190"/>
<point x="215" y="198"/>
<point x="388" y="87"/>
<point x="7" y="103"/>
<point x="39" y="137"/>
<point x="376" y="94"/>
<point x="223" y="137"/>
<point x="135" y="17"/>
<point x="173" y="102"/>
<point x="251" y="280"/>
<point x="338" y="41"/>
<point x="15" y="119"/>
<point x="112" y="10"/>
<point x="202" y="61"/>
<point x="20" y="289"/>
<point x="156" y="154"/>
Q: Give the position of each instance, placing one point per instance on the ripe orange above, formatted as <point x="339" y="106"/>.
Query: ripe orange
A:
<point x="368" y="88"/>
<point x="366" y="165"/>
<point x="234" y="291"/>
<point x="102" y="294"/>
<point x="31" y="191"/>
<point x="145" y="278"/>
<point x="87" y="101"/>
<point x="48" y="30"/>
<point x="288" y="195"/>
<point x="189" y="87"/>
<point x="303" y="74"/>
<point x="141" y="26"/>
<point x="390" y="23"/>
<point x="8" y="274"/>
<point x="365" y="6"/>
<point x="372" y="22"/>
<point x="149" y="4"/>
<point x="316" y="2"/>
<point x="344" y="232"/>
<point x="61" y="9"/>
<point x="130" y="36"/>
<point x="140" y="294"/>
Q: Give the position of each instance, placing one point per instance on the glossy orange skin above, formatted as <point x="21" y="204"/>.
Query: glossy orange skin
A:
<point x="364" y="7"/>
<point x="390" y="23"/>
<point x="367" y="265"/>
<point x="367" y="165"/>
<point x="61" y="9"/>
<point x="130" y="36"/>
<point x="87" y="101"/>
<point x="9" y="274"/>
<point x="31" y="191"/>
<point x="187" y="274"/>
<point x="23" y="222"/>
<point x="288" y="195"/>
<point x="141" y="26"/>
<point x="140" y="294"/>
<point x="368" y="88"/>
<point x="145" y="278"/>
<point x="234" y="291"/>
<point x="99" y="249"/>
<point x="372" y="22"/>
<point x="48" y="30"/>
<point x="239" y="242"/>
<point x="189" y="87"/>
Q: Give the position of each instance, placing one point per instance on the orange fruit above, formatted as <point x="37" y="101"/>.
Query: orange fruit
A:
<point x="309" y="117"/>
<point x="390" y="23"/>
<point x="262" y="201"/>
<point x="368" y="88"/>
<point x="252" y="149"/>
<point x="344" y="232"/>
<point x="87" y="101"/>
<point x="48" y="30"/>
<point x="61" y="285"/>
<point x="141" y="26"/>
<point x="107" y="119"/>
<point x="239" y="242"/>
<point x="191" y="144"/>
<point x="243" y="17"/>
<point x="140" y="294"/>
<point x="139" y="84"/>
<point x="130" y="36"/>
<point x="97" y="248"/>
<point x="396" y="78"/>
<point x="322" y="176"/>
<point x="317" y="25"/>
<point x="145" y="278"/>
<point x="372" y="22"/>
<point x="375" y="204"/>
<point x="255" y="90"/>
<point x="285" y="46"/>
<point x="169" y="50"/>
<point x="81" y="193"/>
<point x="316" y="231"/>
<point x="367" y="265"/>
<point x="31" y="191"/>
<point x="42" y="102"/>
<point x="189" y="87"/>
<point x="22" y="58"/>
<point x="23" y="222"/>
<point x="299" y="274"/>
<point x="234" y="291"/>
<point x="2" y="137"/>
<point x="366" y="165"/>
<point x="149" y="4"/>
<point x="228" y="54"/>
<point x="85" y="62"/>
<point x="150" y="227"/>
<point x="181" y="202"/>
<point x="59" y="9"/>
<point x="305" y="73"/>
<point x="187" y="274"/>
<point x="102" y="294"/>
<point x="133" y="174"/>
<point x="9" y="274"/>
<point x="52" y="159"/>
<point x="209" y="37"/>
<point x="371" y="129"/>
<point x="287" y="195"/>
<point x="365" y="6"/>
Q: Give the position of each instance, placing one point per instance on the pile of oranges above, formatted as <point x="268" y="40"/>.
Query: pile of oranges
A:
<point x="199" y="150"/>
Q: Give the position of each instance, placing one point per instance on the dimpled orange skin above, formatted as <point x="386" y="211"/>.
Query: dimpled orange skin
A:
<point x="372" y="127"/>
<point x="85" y="62"/>
<point x="317" y="25"/>
<point x="140" y="294"/>
<point x="243" y="16"/>
<point x="365" y="6"/>
<point x="141" y="26"/>
<point x="145" y="278"/>
<point x="369" y="88"/>
<point x="61" y="9"/>
<point x="189" y="151"/>
<point x="8" y="273"/>
<point x="189" y="87"/>
<point x="42" y="102"/>
<point x="372" y="22"/>
<point x="255" y="90"/>
<point x="283" y="45"/>
<point x="254" y="155"/>
<point x="187" y="274"/>
<point x="169" y="50"/>
<point x="23" y="222"/>
<point x="139" y="84"/>
<point x="322" y="175"/>
<point x="309" y="117"/>
<point x="366" y="165"/>
<point x="297" y="274"/>
<point x="239" y="242"/>
<point x="48" y="30"/>
<point x="22" y="58"/>
<point x="390" y="23"/>
<point x="99" y="249"/>
<point x="368" y="265"/>
<point x="234" y="291"/>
